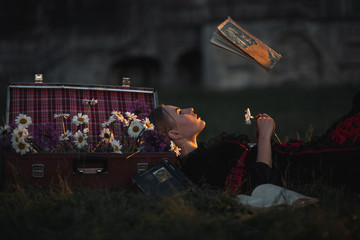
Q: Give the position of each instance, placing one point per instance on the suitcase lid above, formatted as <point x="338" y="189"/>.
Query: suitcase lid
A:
<point x="42" y="101"/>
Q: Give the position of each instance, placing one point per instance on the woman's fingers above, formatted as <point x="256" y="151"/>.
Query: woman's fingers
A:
<point x="262" y="116"/>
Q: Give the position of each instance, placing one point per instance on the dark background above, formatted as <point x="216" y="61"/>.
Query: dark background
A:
<point x="165" y="44"/>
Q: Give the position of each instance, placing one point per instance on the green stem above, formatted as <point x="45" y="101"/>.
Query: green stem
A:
<point x="88" y="125"/>
<point x="136" y="140"/>
<point x="62" y="120"/>
<point x="70" y="145"/>
<point x="96" y="147"/>
<point x="276" y="137"/>
<point x="132" y="154"/>
<point x="34" y="144"/>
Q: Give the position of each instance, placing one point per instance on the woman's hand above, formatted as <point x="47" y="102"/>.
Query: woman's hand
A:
<point x="264" y="126"/>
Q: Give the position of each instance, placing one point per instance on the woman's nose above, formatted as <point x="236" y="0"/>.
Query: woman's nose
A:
<point x="190" y="110"/>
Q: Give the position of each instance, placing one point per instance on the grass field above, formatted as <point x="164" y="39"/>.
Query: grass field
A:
<point x="117" y="214"/>
<point x="29" y="212"/>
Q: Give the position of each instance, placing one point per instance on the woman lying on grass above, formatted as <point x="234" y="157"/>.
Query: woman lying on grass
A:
<point x="231" y="162"/>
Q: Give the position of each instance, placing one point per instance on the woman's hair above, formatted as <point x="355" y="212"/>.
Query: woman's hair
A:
<point x="161" y="119"/>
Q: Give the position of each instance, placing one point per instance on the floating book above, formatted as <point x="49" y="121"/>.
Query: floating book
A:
<point x="232" y="37"/>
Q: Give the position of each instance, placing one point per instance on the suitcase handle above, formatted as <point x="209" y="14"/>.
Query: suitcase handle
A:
<point x="90" y="165"/>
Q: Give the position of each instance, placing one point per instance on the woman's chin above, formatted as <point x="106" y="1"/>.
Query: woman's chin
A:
<point x="203" y="124"/>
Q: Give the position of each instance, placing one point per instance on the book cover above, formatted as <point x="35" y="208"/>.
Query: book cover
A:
<point x="230" y="36"/>
<point x="163" y="179"/>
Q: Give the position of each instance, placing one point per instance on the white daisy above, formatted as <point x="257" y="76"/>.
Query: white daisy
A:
<point x="23" y="120"/>
<point x="4" y="130"/>
<point x="86" y="130"/>
<point x="116" y="146"/>
<point x="80" y="139"/>
<point x="248" y="116"/>
<point x="15" y="139"/>
<point x="62" y="115"/>
<point x="135" y="129"/>
<point x="21" y="132"/>
<point x="174" y="148"/>
<point x="80" y="119"/>
<point x="148" y="125"/>
<point x="89" y="102"/>
<point x="110" y="120"/>
<point x="131" y="115"/>
<point x="118" y="115"/>
<point x="65" y="136"/>
<point x="106" y="135"/>
<point x="22" y="147"/>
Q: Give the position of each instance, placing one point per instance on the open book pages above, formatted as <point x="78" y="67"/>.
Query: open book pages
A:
<point x="268" y="195"/>
<point x="230" y="36"/>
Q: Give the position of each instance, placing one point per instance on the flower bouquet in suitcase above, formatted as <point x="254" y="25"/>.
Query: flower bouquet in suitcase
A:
<point x="80" y="135"/>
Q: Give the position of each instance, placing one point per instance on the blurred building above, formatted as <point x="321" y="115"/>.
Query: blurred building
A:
<point x="165" y="43"/>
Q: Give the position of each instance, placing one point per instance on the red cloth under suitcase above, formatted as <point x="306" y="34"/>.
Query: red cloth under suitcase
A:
<point x="42" y="101"/>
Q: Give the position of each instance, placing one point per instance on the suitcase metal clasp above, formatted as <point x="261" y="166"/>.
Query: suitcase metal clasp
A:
<point x="90" y="165"/>
<point x="141" y="167"/>
<point x="38" y="170"/>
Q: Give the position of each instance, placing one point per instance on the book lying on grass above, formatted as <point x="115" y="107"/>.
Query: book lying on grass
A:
<point x="268" y="195"/>
<point x="232" y="37"/>
<point x="163" y="179"/>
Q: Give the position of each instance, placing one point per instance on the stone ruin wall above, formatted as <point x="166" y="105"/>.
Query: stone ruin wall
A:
<point x="165" y="44"/>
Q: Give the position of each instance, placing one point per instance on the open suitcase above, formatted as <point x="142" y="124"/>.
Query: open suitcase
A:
<point x="99" y="169"/>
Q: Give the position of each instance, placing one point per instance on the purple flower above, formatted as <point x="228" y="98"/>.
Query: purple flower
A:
<point x="45" y="136"/>
<point x="5" y="144"/>
<point x="140" y="109"/>
<point x="154" y="141"/>
<point x="5" y="141"/>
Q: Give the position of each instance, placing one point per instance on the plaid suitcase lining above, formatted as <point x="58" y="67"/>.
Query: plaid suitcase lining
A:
<point x="41" y="103"/>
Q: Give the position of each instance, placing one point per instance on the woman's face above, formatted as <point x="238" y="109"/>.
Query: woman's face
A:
<point x="187" y="123"/>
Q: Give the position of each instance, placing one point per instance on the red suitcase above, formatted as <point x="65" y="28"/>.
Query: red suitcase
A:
<point x="72" y="170"/>
<point x="100" y="169"/>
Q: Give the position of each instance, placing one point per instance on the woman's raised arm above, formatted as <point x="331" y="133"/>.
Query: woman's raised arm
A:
<point x="264" y="125"/>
